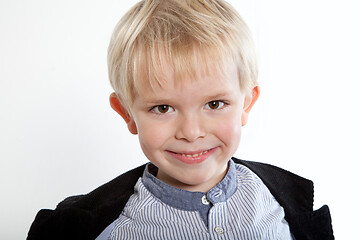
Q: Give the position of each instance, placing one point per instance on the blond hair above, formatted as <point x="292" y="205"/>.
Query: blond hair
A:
<point x="155" y="33"/>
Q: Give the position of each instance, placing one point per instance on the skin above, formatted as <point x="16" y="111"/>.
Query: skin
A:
<point x="190" y="131"/>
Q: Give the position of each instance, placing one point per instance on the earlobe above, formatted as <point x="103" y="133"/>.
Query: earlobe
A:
<point x="249" y="102"/>
<point x="132" y="127"/>
<point x="120" y="109"/>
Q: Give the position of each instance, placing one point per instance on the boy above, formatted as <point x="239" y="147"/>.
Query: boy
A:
<point x="184" y="74"/>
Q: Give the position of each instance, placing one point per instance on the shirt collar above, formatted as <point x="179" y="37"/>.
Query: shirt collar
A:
<point x="187" y="200"/>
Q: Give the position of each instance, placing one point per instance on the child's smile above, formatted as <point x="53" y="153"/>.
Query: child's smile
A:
<point x="190" y="130"/>
<point x="192" y="157"/>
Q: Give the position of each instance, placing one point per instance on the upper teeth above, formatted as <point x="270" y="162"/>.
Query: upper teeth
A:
<point x="194" y="155"/>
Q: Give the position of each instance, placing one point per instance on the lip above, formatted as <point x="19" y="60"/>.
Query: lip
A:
<point x="193" y="157"/>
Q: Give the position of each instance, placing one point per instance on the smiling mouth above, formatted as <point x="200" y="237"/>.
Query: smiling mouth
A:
<point x="194" y="156"/>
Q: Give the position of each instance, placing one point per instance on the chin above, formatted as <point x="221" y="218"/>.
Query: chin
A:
<point x="197" y="182"/>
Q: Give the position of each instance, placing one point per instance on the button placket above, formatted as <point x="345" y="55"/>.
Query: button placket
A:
<point x="218" y="221"/>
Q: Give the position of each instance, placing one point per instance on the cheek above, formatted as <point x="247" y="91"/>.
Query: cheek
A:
<point x="152" y="136"/>
<point x="229" y="130"/>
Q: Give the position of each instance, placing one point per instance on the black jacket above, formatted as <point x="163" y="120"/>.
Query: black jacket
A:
<point x="86" y="216"/>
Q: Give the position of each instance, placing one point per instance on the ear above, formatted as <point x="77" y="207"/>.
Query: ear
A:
<point x="249" y="102"/>
<point x="121" y="110"/>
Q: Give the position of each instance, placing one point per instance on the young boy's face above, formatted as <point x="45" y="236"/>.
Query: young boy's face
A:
<point x="191" y="131"/>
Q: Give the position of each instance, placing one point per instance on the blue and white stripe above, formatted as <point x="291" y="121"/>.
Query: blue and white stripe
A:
<point x="250" y="213"/>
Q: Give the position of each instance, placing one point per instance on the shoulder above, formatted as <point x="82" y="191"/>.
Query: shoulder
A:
<point x="296" y="195"/>
<point x="288" y="188"/>
<point x="86" y="215"/>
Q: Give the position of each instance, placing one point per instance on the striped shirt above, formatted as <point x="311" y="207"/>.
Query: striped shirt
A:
<point x="239" y="207"/>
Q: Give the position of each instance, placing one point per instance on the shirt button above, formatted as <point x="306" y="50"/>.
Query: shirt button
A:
<point x="204" y="200"/>
<point x="219" y="230"/>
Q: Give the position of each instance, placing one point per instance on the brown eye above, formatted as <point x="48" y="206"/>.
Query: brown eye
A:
<point x="214" y="105"/>
<point x="162" y="109"/>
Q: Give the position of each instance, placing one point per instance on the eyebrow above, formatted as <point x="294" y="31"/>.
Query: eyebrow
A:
<point x="217" y="96"/>
<point x="159" y="101"/>
<point x="149" y="102"/>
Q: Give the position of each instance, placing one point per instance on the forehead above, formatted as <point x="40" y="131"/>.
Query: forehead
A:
<point x="220" y="79"/>
<point x="179" y="70"/>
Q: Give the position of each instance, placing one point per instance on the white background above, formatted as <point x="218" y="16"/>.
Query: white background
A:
<point x="59" y="136"/>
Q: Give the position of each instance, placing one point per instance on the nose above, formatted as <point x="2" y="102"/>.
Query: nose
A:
<point x="190" y="128"/>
